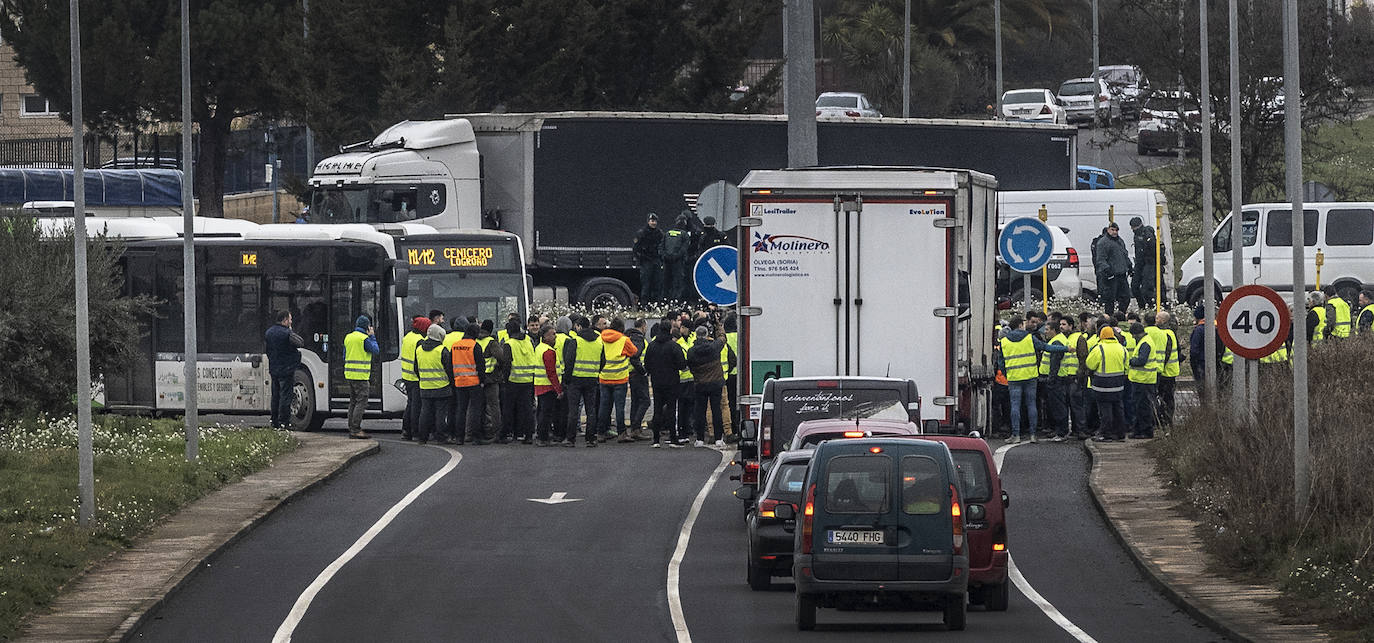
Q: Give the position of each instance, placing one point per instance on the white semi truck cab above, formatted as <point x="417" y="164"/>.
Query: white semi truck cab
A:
<point x="414" y="172"/>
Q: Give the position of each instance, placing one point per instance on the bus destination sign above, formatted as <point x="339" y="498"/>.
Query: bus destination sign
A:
<point x="448" y="257"/>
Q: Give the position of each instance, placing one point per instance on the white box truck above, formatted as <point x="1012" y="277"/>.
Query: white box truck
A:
<point x="1084" y="213"/>
<point x="871" y="272"/>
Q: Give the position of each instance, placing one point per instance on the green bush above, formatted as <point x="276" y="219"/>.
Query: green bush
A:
<point x="38" y="319"/>
<point x="1238" y="476"/>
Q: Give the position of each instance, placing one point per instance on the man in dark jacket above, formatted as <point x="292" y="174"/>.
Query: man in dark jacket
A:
<point x="646" y="248"/>
<point x="1113" y="267"/>
<point x="703" y="358"/>
<point x="282" y="360"/>
<point x="1143" y="279"/>
<point x="639" y="383"/>
<point x="663" y="360"/>
<point x="712" y="236"/>
<point x="1197" y="350"/>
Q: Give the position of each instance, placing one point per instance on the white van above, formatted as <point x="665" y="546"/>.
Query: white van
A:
<point x="1082" y="214"/>
<point x="1344" y="232"/>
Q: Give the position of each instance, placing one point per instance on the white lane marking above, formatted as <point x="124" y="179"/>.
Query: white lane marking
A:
<point x="555" y="498"/>
<point x="675" y="563"/>
<point x="298" y="610"/>
<point x="1024" y="586"/>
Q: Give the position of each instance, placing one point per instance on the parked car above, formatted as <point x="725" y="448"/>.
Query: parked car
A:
<point x="813" y="432"/>
<point x="1159" y="123"/>
<point x="1089" y="100"/>
<point x="1064" y="277"/>
<point x="881" y="527"/>
<point x="770" y="537"/>
<point x="985" y="518"/>
<point x="1095" y="178"/>
<point x="1344" y="231"/>
<point x="845" y="104"/>
<point x="1128" y="84"/>
<point x="1033" y="105"/>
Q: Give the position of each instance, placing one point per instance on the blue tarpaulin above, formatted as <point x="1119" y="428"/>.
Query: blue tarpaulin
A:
<point x="126" y="188"/>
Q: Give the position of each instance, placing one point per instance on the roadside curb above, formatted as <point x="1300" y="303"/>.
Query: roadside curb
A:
<point x="272" y="487"/>
<point x="1183" y="594"/>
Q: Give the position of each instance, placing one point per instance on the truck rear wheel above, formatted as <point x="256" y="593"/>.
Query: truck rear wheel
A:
<point x="606" y="292"/>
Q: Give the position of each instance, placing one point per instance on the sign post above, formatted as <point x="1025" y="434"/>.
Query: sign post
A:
<point x="1026" y="245"/>
<point x="715" y="276"/>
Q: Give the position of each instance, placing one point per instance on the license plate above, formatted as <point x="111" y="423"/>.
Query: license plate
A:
<point x="1020" y="111"/>
<point x="854" y="537"/>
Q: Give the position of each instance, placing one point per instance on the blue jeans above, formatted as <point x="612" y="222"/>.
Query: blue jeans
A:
<point x="612" y="394"/>
<point x="1023" y="390"/>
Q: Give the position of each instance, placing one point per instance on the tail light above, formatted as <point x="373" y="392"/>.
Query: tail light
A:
<point x="1146" y="116"/>
<point x="853" y="434"/>
<point x="766" y="433"/>
<point x="818" y="112"/>
<point x="1073" y="258"/>
<point x="1045" y="110"/>
<point x="768" y="508"/>
<point x="751" y="472"/>
<point x="851" y="113"/>
<point x="956" y="514"/>
<point x="808" y="517"/>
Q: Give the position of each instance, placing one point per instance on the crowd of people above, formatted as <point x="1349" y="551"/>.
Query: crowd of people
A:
<point x="666" y="257"/>
<point x="545" y="382"/>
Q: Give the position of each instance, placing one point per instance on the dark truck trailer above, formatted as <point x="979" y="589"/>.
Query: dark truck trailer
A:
<point x="577" y="185"/>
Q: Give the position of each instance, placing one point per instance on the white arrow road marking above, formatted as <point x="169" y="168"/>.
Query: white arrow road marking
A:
<point x="1040" y="252"/>
<point x="675" y="563"/>
<point x="727" y="281"/>
<point x="1024" y="586"/>
<point x="555" y="498"/>
<point x="298" y="610"/>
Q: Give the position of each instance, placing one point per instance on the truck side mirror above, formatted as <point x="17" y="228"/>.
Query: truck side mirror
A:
<point x="401" y="281"/>
<point x="785" y="512"/>
<point x="745" y="493"/>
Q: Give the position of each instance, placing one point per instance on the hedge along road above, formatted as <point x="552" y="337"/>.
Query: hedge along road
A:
<point x="472" y="558"/>
<point x="1060" y="544"/>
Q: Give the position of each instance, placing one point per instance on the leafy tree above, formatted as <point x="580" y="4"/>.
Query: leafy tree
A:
<point x="241" y="53"/>
<point x="37" y="328"/>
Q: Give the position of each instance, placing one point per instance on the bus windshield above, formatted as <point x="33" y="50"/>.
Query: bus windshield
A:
<point x="486" y="295"/>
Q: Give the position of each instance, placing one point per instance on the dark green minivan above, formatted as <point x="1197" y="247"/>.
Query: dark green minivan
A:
<point x="881" y="527"/>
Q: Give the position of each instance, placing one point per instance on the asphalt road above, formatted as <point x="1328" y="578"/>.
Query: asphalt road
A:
<point x="474" y="559"/>
<point x="1115" y="151"/>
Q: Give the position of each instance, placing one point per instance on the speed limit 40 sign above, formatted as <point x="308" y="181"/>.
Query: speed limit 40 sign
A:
<point x="1253" y="321"/>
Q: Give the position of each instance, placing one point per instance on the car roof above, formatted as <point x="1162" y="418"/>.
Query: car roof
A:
<point x="928" y="446"/>
<point x="962" y="442"/>
<point x="795" y="455"/>
<point x="841" y="94"/>
<point x="839" y="424"/>
<point x="854" y="379"/>
<point x="1086" y="79"/>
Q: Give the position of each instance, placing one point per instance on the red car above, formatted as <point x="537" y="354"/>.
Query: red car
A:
<point x="985" y="519"/>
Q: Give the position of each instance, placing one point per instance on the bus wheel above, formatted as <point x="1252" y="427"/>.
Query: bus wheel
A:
<point x="304" y="417"/>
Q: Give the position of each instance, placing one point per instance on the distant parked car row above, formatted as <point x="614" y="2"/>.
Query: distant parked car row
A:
<point x="1113" y="95"/>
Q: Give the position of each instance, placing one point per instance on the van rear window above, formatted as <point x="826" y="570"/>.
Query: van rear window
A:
<point x="923" y="489"/>
<point x="798" y="405"/>
<point x="857" y="484"/>
<point x="973" y="472"/>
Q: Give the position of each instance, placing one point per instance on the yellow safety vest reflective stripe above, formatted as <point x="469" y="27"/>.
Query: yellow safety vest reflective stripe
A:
<point x="522" y="364"/>
<point x="1108" y="364"/>
<point x="1340" y="313"/>
<point x="357" y="361"/>
<point x="541" y="376"/>
<point x="464" y="363"/>
<point x="685" y="375"/>
<point x="616" y="366"/>
<point x="587" y="357"/>
<point x="1019" y="358"/>
<point x="485" y="343"/>
<point x="430" y="368"/>
<point x="408" y="345"/>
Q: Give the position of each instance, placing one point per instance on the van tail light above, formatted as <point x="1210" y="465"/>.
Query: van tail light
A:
<point x="751" y="472"/>
<point x="851" y="113"/>
<point x="1045" y="109"/>
<point x="766" y="434"/>
<point x="768" y="508"/>
<point x="853" y="434"/>
<point x="808" y="517"/>
<point x="1073" y="258"/>
<point x="956" y="514"/>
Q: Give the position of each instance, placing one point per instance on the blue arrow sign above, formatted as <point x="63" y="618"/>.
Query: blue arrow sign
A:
<point x="714" y="275"/>
<point x="1025" y="244"/>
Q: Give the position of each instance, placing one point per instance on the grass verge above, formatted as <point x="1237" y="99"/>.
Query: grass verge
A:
<point x="1238" y="477"/>
<point x="141" y="476"/>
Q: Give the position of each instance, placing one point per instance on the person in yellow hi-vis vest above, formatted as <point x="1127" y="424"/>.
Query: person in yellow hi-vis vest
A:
<point x="433" y="367"/>
<point x="1107" y="361"/>
<point x="360" y="346"/>
<point x="1170" y="367"/>
<point x="1143" y="372"/>
<point x="620" y="356"/>
<point x="582" y="360"/>
<point x="419" y="325"/>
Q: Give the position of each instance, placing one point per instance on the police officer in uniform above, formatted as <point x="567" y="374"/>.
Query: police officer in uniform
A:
<point x="646" y="250"/>
<point x="360" y="346"/>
